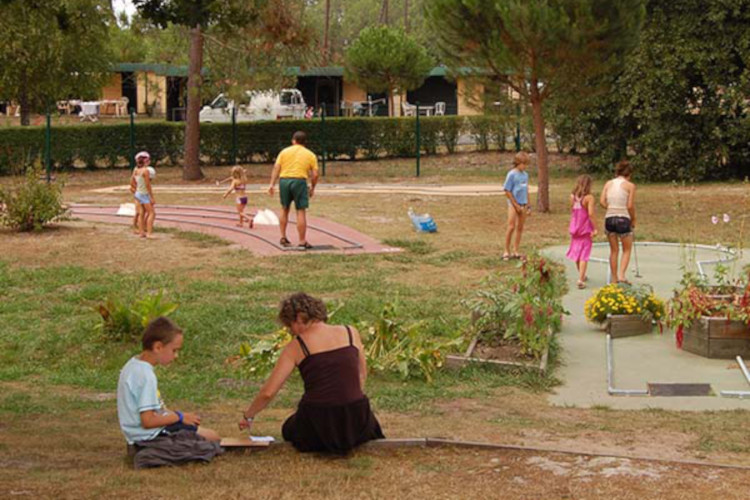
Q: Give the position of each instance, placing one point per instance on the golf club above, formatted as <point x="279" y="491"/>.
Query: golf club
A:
<point x="635" y="254"/>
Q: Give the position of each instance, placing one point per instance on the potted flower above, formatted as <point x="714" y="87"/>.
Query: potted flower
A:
<point x="625" y="310"/>
<point x="711" y="321"/>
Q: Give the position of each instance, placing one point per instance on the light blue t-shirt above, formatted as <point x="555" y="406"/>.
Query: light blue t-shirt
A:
<point x="137" y="391"/>
<point x="517" y="183"/>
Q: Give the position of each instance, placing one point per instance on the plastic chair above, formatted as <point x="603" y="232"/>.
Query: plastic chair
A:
<point x="439" y="108"/>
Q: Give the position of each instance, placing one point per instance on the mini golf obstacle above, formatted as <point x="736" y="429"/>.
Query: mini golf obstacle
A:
<point x="645" y="371"/>
<point x="324" y="235"/>
<point x="678" y="388"/>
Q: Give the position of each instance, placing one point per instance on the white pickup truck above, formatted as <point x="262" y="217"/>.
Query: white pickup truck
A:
<point x="261" y="105"/>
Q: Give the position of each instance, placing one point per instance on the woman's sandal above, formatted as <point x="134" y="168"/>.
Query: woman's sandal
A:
<point x="305" y="246"/>
<point x="581" y="285"/>
<point x="506" y="256"/>
<point x="285" y="242"/>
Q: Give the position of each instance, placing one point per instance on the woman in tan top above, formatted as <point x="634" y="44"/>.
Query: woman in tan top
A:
<point x="618" y="197"/>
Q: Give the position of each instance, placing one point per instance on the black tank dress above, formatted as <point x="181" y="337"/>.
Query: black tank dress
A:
<point x="333" y="415"/>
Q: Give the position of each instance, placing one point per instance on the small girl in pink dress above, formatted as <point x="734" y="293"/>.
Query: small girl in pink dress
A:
<point x="581" y="226"/>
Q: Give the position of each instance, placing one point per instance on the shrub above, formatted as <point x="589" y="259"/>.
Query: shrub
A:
<point x="450" y="129"/>
<point x="31" y="204"/>
<point x="122" y="321"/>
<point x="406" y="349"/>
<point x="480" y="128"/>
<point x="108" y="145"/>
<point x="524" y="308"/>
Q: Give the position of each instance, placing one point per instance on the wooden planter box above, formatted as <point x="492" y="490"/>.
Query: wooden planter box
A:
<point x="627" y="325"/>
<point x="717" y="338"/>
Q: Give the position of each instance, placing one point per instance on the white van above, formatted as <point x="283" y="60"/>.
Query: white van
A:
<point x="261" y="105"/>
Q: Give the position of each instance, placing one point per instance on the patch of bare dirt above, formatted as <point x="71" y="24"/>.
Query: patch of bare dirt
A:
<point x="500" y="350"/>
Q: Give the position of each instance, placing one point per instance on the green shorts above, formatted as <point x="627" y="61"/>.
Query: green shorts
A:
<point x="294" y="190"/>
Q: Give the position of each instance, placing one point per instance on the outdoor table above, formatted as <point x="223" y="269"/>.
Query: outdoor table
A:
<point x="90" y="111"/>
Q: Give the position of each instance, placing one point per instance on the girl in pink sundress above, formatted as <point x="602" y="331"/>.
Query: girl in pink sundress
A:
<point x="581" y="226"/>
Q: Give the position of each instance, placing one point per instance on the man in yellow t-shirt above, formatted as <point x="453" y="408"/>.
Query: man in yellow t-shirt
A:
<point x="293" y="167"/>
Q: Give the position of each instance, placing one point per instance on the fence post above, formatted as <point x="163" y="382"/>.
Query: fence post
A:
<point x="419" y="138"/>
<point x="47" y="148"/>
<point x="518" y="127"/>
<point x="323" y="136"/>
<point x="234" y="135"/>
<point x="132" y="139"/>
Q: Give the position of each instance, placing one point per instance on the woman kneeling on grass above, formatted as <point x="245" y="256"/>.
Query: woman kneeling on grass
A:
<point x="334" y="414"/>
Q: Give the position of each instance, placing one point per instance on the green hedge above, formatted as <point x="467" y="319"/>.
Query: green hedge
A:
<point x="101" y="146"/>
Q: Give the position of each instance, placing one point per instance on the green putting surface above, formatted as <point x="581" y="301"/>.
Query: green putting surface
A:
<point x="638" y="361"/>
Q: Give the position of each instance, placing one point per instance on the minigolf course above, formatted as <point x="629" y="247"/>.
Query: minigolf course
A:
<point x="642" y="360"/>
<point x="326" y="236"/>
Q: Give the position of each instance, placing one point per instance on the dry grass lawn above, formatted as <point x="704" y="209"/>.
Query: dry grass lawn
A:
<point x="62" y="440"/>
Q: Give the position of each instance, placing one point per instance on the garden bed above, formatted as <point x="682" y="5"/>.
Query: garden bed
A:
<point x="717" y="338"/>
<point x="501" y="354"/>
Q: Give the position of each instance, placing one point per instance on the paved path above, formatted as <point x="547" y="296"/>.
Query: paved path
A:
<point x="637" y="360"/>
<point x="324" y="235"/>
<point x="495" y="189"/>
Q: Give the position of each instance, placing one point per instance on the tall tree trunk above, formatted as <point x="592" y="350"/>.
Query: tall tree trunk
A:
<point x="326" y="49"/>
<point x="23" y="102"/>
<point x="542" y="199"/>
<point x="391" y="104"/>
<point x="384" y="13"/>
<point x="406" y="16"/>
<point x="192" y="169"/>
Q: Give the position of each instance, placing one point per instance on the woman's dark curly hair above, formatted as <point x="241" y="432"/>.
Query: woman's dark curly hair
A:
<point x="308" y="308"/>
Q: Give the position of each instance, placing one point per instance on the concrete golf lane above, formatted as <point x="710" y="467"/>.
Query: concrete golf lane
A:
<point x="652" y="358"/>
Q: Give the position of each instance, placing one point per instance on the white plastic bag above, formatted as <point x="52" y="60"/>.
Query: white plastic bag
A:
<point x="126" y="209"/>
<point x="266" y="217"/>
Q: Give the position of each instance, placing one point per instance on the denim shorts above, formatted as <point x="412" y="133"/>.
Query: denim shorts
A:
<point x="619" y="226"/>
<point x="143" y="199"/>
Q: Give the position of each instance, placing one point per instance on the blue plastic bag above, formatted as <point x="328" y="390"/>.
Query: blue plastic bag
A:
<point x="423" y="223"/>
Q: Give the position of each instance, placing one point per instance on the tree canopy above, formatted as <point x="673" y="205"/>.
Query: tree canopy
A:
<point x="252" y="36"/>
<point x="52" y="49"/>
<point x="385" y="59"/>
<point x="536" y="47"/>
<point x="680" y="99"/>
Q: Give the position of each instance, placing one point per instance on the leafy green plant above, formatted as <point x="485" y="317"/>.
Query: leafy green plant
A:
<point x="122" y="321"/>
<point x="31" y="204"/>
<point x="394" y="346"/>
<point x="262" y="355"/>
<point x="391" y="346"/>
<point x="525" y="308"/>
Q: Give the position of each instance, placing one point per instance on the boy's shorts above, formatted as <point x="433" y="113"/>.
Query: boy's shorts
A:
<point x="178" y="426"/>
<point x="294" y="190"/>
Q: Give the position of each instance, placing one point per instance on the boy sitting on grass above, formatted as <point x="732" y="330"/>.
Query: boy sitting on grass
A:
<point x="144" y="420"/>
